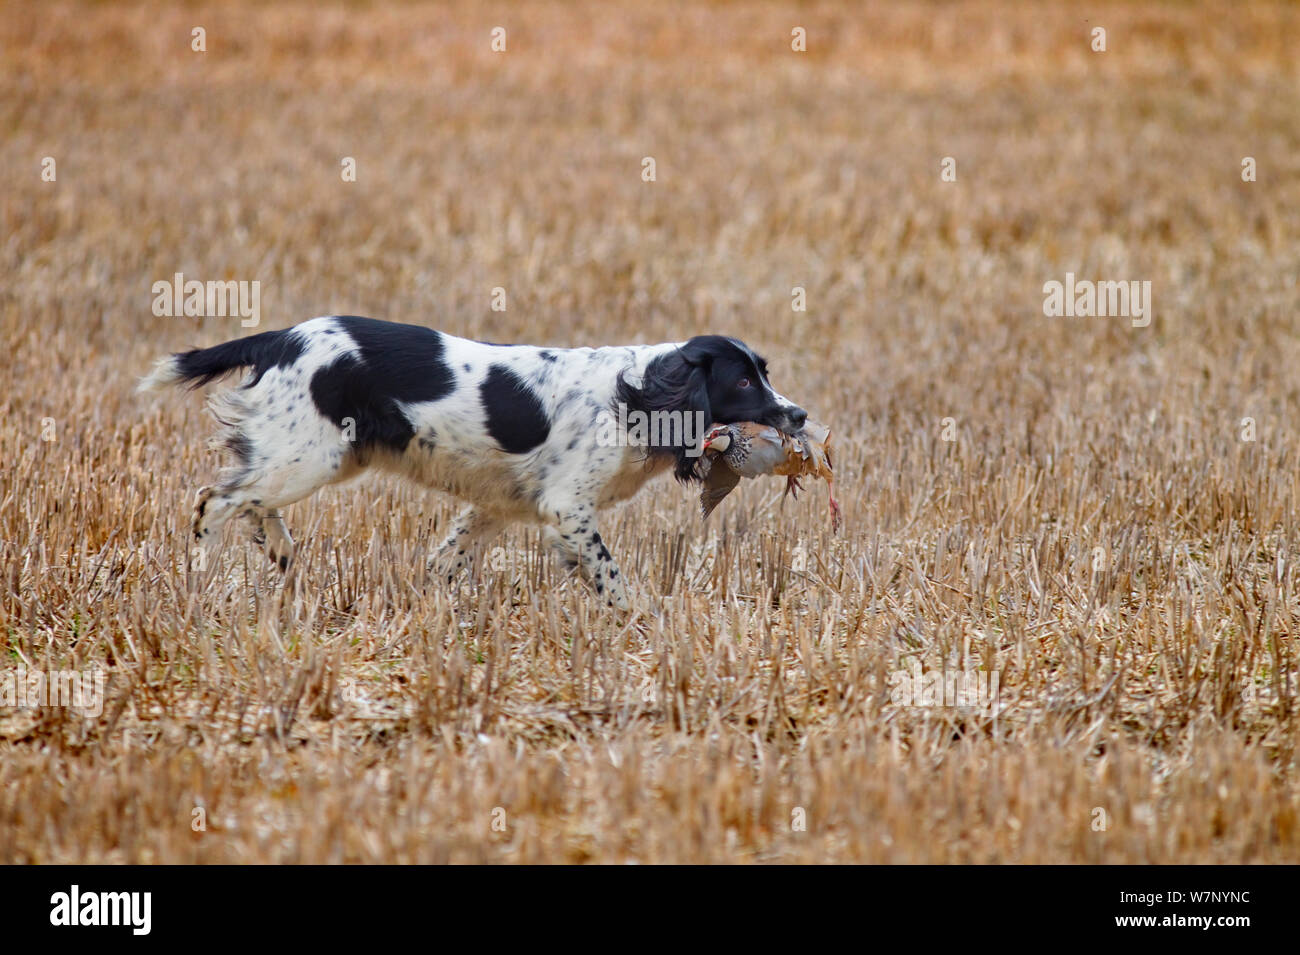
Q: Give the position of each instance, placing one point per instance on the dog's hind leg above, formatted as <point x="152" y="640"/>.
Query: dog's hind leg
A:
<point x="216" y="505"/>
<point x="274" y="466"/>
<point x="279" y="545"/>
<point x="272" y="536"/>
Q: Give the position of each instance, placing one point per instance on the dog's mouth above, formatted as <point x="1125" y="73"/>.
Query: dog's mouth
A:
<point x="784" y="423"/>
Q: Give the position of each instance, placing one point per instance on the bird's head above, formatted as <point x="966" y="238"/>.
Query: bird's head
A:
<point x="717" y="440"/>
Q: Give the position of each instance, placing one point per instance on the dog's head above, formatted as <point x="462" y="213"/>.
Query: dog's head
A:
<point x="714" y="379"/>
<point x="735" y="380"/>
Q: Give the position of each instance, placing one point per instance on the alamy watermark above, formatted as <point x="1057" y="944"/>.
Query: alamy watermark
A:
<point x="132" y="910"/>
<point x="655" y="429"/>
<point x="80" y="690"/>
<point x="947" y="687"/>
<point x="1088" y="299"/>
<point x="213" y="299"/>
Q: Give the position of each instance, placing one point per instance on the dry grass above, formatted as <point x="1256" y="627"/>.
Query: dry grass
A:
<point x="372" y="718"/>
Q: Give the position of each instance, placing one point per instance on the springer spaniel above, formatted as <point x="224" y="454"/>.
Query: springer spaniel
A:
<point x="520" y="432"/>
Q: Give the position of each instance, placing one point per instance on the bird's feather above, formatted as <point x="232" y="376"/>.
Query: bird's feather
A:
<point x="720" y="482"/>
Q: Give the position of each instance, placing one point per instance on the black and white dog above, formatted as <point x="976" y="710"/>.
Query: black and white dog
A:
<point x="520" y="432"/>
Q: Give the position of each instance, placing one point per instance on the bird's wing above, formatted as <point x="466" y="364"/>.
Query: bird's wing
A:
<point x="760" y="432"/>
<point x="720" y="482"/>
<point x="765" y="449"/>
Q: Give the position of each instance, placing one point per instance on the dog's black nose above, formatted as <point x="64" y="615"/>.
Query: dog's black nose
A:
<point x="797" y="417"/>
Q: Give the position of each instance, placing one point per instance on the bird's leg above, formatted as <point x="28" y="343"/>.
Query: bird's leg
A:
<point x="456" y="553"/>
<point x="577" y="530"/>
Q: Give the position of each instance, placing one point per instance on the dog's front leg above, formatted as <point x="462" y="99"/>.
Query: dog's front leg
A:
<point x="456" y="553"/>
<point x="577" y="529"/>
<point x="567" y="553"/>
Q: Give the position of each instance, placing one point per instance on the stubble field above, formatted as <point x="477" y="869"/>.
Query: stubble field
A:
<point x="1102" y="515"/>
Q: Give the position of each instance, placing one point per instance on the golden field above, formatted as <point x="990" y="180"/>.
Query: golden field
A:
<point x="1094" y="524"/>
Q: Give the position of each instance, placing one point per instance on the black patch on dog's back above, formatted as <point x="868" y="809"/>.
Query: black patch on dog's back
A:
<point x="406" y="359"/>
<point x="515" y="416"/>
<point x="398" y="363"/>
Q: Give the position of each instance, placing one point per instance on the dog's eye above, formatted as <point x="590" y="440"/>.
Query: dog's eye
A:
<point x="743" y="383"/>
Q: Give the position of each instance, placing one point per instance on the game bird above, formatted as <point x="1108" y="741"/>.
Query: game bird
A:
<point x="748" y="449"/>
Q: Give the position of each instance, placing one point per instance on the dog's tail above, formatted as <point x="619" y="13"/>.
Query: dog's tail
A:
<point x="199" y="366"/>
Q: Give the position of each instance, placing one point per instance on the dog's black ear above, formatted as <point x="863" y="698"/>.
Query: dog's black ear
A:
<point x="677" y="382"/>
<point x="698" y="352"/>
